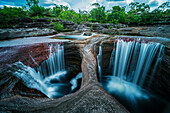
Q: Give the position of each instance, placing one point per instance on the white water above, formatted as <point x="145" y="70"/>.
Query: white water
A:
<point x="55" y="62"/>
<point x="131" y="60"/>
<point x="52" y="69"/>
<point x="99" y="60"/>
<point x="74" y="81"/>
<point x="83" y="34"/>
<point x="160" y="56"/>
<point x="128" y="68"/>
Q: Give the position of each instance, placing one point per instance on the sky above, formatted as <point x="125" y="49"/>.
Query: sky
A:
<point x="83" y="4"/>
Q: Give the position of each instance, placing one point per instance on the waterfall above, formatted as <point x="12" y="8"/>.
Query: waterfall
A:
<point x="99" y="60"/>
<point x="75" y="80"/>
<point x="55" y="62"/>
<point x="48" y="77"/>
<point x="132" y="66"/>
<point x="30" y="77"/>
<point x="160" y="56"/>
<point x="131" y="61"/>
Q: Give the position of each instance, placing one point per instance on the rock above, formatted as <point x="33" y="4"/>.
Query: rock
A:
<point x="161" y="82"/>
<point x="24" y="32"/>
<point x="108" y="31"/>
<point x="160" y="31"/>
<point x="95" y="26"/>
<point x="32" y="55"/>
<point x="87" y="34"/>
<point x="81" y="28"/>
<point x="67" y="23"/>
<point x="23" y="20"/>
<point x="91" y="97"/>
<point x="107" y="25"/>
<point x="34" y="25"/>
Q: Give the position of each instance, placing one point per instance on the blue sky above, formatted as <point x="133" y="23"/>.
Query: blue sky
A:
<point x="84" y="4"/>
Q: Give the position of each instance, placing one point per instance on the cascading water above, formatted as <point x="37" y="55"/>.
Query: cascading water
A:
<point x="129" y="64"/>
<point x="48" y="77"/>
<point x="55" y="63"/>
<point x="131" y="60"/>
<point x="99" y="60"/>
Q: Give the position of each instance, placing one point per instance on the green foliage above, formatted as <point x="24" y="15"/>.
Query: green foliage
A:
<point x="70" y="15"/>
<point x="9" y="14"/>
<point x="91" y="27"/>
<point x="37" y="10"/>
<point x="56" y="10"/>
<point x="58" y="26"/>
<point x="98" y="15"/>
<point x="164" y="6"/>
<point x="31" y="3"/>
<point x="138" y="14"/>
<point x="117" y="15"/>
<point x="83" y="16"/>
<point x="110" y="27"/>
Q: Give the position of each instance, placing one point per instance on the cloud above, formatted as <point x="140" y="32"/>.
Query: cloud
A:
<point x="52" y="2"/>
<point x="129" y="1"/>
<point x="153" y="3"/>
<point x="114" y="0"/>
<point x="83" y="4"/>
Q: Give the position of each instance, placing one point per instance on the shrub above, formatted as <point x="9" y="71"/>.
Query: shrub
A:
<point x="91" y="27"/>
<point x="8" y="15"/>
<point x="58" y="26"/>
<point x="110" y="27"/>
<point x="38" y="11"/>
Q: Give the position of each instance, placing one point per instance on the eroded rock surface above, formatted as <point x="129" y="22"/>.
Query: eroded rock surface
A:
<point x="31" y="55"/>
<point x="79" y="56"/>
<point x="26" y="27"/>
<point x="91" y="97"/>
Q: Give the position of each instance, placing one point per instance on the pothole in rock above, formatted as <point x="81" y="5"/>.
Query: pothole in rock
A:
<point x="57" y="76"/>
<point x="130" y="70"/>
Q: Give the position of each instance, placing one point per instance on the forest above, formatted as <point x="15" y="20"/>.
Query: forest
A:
<point x="139" y="13"/>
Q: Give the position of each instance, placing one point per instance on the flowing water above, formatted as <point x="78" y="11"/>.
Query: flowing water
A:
<point x="50" y="77"/>
<point x="130" y="62"/>
<point x="99" y="60"/>
<point x="76" y="37"/>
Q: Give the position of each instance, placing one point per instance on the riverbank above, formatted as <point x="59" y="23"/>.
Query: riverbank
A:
<point x="28" y="27"/>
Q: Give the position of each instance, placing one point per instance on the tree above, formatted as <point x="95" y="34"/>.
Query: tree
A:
<point x="9" y="14"/>
<point x="31" y="3"/>
<point x="138" y="13"/>
<point x="161" y="13"/>
<point x="98" y="14"/>
<point x="36" y="10"/>
<point x="116" y="15"/>
<point x="70" y="15"/>
<point x="164" y="6"/>
<point x="96" y="4"/>
<point x="56" y="10"/>
<point x="83" y="15"/>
